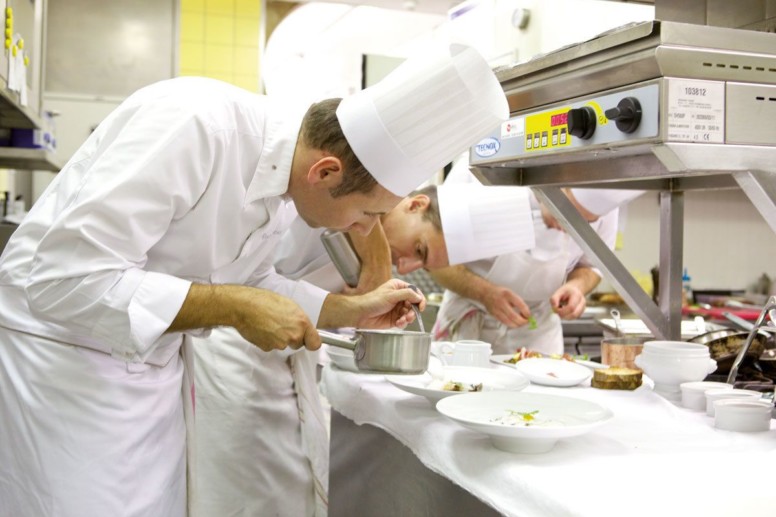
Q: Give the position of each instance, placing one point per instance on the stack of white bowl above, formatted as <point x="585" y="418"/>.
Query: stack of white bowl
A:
<point x="670" y="363"/>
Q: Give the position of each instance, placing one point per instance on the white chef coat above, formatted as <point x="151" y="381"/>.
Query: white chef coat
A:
<point x="534" y="275"/>
<point x="183" y="182"/>
<point x="261" y="442"/>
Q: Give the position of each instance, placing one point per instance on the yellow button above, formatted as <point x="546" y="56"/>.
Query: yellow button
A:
<point x="8" y="32"/>
<point x="8" y="12"/>
<point x="7" y="42"/>
<point x="14" y="50"/>
<point x="20" y="43"/>
<point x="26" y="60"/>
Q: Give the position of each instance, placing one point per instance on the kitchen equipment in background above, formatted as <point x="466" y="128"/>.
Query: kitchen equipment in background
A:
<point x="622" y="351"/>
<point x="344" y="257"/>
<point x="752" y="336"/>
<point x="624" y="108"/>
<point x="386" y="351"/>
<point x="616" y="317"/>
<point x="725" y="343"/>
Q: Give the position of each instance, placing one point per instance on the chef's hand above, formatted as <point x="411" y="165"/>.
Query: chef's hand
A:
<point x="388" y="306"/>
<point x="506" y="306"/>
<point x="273" y="322"/>
<point x="568" y="302"/>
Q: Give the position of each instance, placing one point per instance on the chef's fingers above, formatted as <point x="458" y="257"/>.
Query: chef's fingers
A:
<point x="312" y="340"/>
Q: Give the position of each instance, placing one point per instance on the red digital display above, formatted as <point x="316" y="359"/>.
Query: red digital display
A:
<point x="559" y="120"/>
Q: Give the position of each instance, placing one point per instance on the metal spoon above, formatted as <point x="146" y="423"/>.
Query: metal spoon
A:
<point x="416" y="309"/>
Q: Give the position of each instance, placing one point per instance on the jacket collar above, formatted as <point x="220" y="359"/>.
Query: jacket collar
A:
<point x="281" y="131"/>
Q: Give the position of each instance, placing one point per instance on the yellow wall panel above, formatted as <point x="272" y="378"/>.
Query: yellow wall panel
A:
<point x="219" y="29"/>
<point x="220" y="39"/>
<point x="193" y="5"/>
<point x="192" y="26"/>
<point x="246" y="61"/>
<point x="192" y="56"/>
<point x="220" y="7"/>
<point x="246" y="31"/>
<point x="219" y="59"/>
<point x="250" y="8"/>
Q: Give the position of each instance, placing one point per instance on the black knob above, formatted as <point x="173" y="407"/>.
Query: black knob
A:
<point x="581" y="122"/>
<point x="627" y="114"/>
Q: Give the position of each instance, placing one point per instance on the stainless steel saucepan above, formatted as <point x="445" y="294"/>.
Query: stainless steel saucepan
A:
<point x="388" y="351"/>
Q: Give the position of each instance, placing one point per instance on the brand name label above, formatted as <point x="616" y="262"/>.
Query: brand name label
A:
<point x="487" y="147"/>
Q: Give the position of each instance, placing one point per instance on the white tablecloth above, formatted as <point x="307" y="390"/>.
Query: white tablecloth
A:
<point x="652" y="459"/>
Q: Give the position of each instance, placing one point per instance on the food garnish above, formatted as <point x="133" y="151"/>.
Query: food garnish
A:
<point x="532" y="323"/>
<point x="519" y="418"/>
<point x="460" y="386"/>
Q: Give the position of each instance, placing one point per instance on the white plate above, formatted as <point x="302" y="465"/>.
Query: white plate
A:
<point x="554" y="417"/>
<point x="591" y="364"/>
<point x="342" y="358"/>
<point x="553" y="372"/>
<point x="502" y="359"/>
<point x="492" y="379"/>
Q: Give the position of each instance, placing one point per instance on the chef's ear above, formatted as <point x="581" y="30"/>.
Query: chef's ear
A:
<point x="326" y="172"/>
<point x="419" y="202"/>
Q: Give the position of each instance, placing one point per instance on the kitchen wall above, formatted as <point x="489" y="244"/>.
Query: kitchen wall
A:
<point x="90" y="69"/>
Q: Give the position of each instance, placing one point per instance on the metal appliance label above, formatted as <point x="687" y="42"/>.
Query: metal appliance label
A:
<point x="696" y="111"/>
<point x="513" y="128"/>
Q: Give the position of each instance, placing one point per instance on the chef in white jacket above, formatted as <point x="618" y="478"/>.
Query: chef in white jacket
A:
<point x="261" y="442"/>
<point x="161" y="225"/>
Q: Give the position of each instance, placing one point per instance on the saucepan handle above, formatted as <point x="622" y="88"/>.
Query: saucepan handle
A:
<point x="330" y="338"/>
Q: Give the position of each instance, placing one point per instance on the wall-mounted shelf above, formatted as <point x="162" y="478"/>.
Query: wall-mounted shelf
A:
<point x="31" y="159"/>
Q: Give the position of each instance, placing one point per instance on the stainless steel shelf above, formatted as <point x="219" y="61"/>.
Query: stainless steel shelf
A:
<point x="30" y="159"/>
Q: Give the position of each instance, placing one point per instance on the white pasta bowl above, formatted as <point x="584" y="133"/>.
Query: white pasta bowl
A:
<point x="528" y="423"/>
<point x="433" y="388"/>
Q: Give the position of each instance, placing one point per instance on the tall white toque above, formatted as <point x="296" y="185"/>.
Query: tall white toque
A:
<point x="422" y="115"/>
<point x="481" y="222"/>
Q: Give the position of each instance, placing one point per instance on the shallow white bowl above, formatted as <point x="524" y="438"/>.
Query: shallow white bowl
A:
<point x="742" y="415"/>
<point x="694" y="393"/>
<point x="715" y="395"/>
<point x="553" y="372"/>
<point x="555" y="417"/>
<point x="492" y="379"/>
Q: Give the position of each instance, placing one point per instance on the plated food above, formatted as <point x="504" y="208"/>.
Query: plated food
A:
<point x="456" y="380"/>
<point x="522" y="422"/>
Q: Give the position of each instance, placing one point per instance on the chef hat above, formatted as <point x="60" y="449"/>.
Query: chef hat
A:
<point x="481" y="222"/>
<point x="422" y="115"/>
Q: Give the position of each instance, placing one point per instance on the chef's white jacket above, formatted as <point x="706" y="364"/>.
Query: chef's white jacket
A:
<point x="184" y="182"/>
<point x="176" y="186"/>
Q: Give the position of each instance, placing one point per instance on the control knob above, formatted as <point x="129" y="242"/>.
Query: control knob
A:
<point x="627" y="114"/>
<point x="581" y="122"/>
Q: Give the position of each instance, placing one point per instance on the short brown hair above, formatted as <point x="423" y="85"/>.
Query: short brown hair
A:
<point x="432" y="212"/>
<point x="321" y="130"/>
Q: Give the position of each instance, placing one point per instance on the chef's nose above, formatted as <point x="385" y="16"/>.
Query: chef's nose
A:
<point x="408" y="264"/>
<point x="363" y="227"/>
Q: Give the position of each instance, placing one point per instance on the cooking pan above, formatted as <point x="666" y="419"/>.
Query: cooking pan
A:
<point x="725" y="343"/>
<point x="387" y="351"/>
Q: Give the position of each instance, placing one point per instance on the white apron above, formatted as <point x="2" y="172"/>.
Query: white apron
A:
<point x="124" y="421"/>
<point x="534" y="276"/>
<point x="261" y="445"/>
